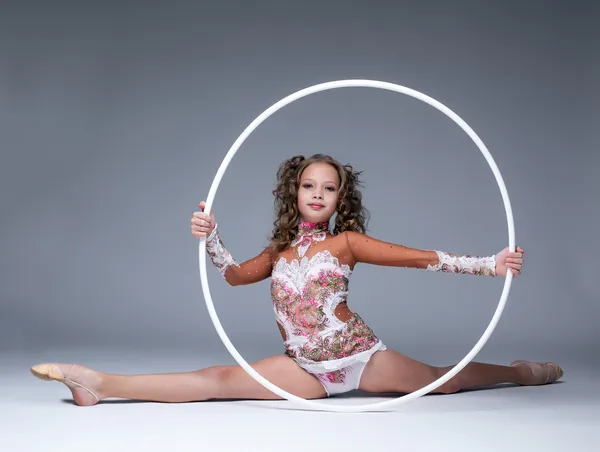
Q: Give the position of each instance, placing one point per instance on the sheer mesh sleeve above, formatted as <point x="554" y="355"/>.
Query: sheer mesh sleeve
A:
<point x="248" y="272"/>
<point x="372" y="251"/>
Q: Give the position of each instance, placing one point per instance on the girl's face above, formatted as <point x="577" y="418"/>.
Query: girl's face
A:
<point x="318" y="192"/>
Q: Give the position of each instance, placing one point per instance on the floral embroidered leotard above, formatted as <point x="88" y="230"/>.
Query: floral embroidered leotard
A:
<point x="309" y="290"/>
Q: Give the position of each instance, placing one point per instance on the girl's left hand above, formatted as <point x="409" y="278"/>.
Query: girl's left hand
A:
<point x="506" y="260"/>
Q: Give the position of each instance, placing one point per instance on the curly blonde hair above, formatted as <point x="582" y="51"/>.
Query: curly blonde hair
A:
<point x="351" y="214"/>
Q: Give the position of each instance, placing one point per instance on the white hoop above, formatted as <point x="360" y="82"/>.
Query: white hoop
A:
<point x="213" y="189"/>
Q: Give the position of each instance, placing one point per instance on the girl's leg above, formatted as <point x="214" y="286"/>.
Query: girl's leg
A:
<point x="219" y="382"/>
<point x="390" y="371"/>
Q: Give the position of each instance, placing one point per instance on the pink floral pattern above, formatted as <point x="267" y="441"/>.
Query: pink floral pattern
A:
<point x="307" y="233"/>
<point x="305" y="294"/>
<point x="334" y="377"/>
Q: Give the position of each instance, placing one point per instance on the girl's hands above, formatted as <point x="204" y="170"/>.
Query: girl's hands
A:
<point x="506" y="260"/>
<point x="202" y="223"/>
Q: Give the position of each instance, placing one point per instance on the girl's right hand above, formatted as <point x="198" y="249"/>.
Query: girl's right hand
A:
<point x="202" y="223"/>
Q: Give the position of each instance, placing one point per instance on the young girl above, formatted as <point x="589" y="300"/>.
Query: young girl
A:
<point x="328" y="348"/>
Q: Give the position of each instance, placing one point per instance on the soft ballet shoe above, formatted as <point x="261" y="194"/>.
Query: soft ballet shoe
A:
<point x="50" y="371"/>
<point x="543" y="373"/>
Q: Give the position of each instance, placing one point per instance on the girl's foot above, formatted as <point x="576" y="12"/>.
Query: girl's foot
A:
<point x="83" y="382"/>
<point x="538" y="373"/>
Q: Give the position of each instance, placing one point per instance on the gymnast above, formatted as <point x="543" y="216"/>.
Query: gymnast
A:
<point x="328" y="348"/>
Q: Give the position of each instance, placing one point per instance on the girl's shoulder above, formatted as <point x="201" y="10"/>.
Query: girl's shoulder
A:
<point x="349" y="235"/>
<point x="339" y="242"/>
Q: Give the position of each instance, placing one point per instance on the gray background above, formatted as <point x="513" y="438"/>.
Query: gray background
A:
<point x="114" y="117"/>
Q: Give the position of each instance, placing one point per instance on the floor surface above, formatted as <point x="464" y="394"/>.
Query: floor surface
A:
<point x="39" y="415"/>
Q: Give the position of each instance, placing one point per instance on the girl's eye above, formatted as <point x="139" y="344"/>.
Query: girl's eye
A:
<point x="310" y="185"/>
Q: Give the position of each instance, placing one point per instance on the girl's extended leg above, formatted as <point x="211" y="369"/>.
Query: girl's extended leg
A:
<point x="390" y="371"/>
<point x="219" y="382"/>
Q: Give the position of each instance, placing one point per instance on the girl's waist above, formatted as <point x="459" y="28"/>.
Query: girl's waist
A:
<point x="360" y="355"/>
<point x="330" y="347"/>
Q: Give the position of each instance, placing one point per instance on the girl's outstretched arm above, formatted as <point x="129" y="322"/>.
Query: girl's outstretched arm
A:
<point x="372" y="251"/>
<point x="251" y="271"/>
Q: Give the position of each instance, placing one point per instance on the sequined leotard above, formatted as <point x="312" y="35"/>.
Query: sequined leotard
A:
<point x="309" y="289"/>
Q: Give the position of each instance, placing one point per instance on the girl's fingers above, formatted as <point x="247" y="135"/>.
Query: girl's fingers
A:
<point x="201" y="215"/>
<point x="200" y="222"/>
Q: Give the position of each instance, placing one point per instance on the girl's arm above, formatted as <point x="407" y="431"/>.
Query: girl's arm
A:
<point x="251" y="271"/>
<point x="372" y="251"/>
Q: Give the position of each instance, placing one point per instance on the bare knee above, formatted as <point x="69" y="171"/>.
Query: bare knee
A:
<point x="214" y="373"/>
<point x="213" y="379"/>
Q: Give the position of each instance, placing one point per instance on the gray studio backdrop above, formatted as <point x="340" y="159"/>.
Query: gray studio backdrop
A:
<point x="114" y="118"/>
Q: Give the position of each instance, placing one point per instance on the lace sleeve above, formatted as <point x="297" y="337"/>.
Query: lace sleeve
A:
<point x="465" y="264"/>
<point x="220" y="256"/>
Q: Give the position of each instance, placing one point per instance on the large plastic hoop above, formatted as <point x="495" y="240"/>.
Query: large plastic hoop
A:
<point x="213" y="190"/>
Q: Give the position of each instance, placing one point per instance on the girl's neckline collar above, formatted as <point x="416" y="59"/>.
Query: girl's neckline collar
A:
<point x="310" y="228"/>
